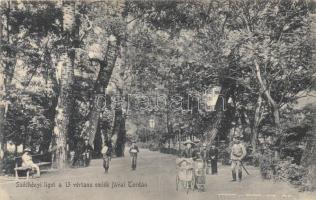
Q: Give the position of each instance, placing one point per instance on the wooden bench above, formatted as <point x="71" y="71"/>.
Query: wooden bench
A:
<point x="27" y="169"/>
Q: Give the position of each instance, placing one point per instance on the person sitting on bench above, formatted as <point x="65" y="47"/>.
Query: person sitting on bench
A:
<point x="28" y="162"/>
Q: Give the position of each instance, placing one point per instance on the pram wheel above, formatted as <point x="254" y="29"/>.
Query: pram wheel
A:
<point x="185" y="174"/>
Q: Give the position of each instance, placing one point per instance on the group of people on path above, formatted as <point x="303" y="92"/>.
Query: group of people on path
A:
<point x="210" y="156"/>
<point x="106" y="152"/>
<point x="83" y="151"/>
<point x="27" y="160"/>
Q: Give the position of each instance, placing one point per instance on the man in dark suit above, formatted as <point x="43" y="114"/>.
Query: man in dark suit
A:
<point x="213" y="157"/>
<point x="87" y="152"/>
<point x="204" y="154"/>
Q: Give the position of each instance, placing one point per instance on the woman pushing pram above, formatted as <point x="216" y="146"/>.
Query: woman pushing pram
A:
<point x="190" y="169"/>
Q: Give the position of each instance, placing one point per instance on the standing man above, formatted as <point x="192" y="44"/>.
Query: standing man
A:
<point x="204" y="155"/>
<point x="238" y="152"/>
<point x="133" y="151"/>
<point x="213" y="157"/>
<point x="87" y="149"/>
<point x="106" y="154"/>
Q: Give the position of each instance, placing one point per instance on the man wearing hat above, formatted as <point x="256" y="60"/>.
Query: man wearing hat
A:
<point x="28" y="162"/>
<point x="87" y="147"/>
<point x="188" y="152"/>
<point x="86" y="151"/>
<point x="213" y="157"/>
<point x="106" y="154"/>
<point x="204" y="153"/>
<point x="133" y="152"/>
<point x="238" y="152"/>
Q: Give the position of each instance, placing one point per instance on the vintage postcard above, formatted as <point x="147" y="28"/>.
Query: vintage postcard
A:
<point x="157" y="99"/>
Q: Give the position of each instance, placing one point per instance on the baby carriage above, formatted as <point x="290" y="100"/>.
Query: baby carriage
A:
<point x="185" y="174"/>
<point x="200" y="174"/>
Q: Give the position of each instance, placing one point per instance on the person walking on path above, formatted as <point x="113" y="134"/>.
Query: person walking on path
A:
<point x="87" y="151"/>
<point x="213" y="157"/>
<point x="27" y="161"/>
<point x="133" y="153"/>
<point x="106" y="154"/>
<point x="77" y="152"/>
<point x="238" y="152"/>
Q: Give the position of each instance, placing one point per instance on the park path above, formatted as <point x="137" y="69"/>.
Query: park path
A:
<point x="156" y="175"/>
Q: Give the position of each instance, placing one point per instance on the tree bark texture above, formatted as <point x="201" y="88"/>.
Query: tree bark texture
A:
<point x="120" y="131"/>
<point x="6" y="74"/>
<point x="273" y="104"/>
<point x="214" y="127"/>
<point x="106" y="68"/>
<point x="266" y="92"/>
<point x="65" y="99"/>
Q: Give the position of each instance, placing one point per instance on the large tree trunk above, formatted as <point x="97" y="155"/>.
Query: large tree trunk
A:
<point x="6" y="74"/>
<point x="2" y="103"/>
<point x="63" y="111"/>
<point x="214" y="127"/>
<point x="50" y="113"/>
<point x="308" y="159"/>
<point x="274" y="106"/>
<point x="106" y="68"/>
<point x="2" y="119"/>
<point x="266" y="92"/>
<point x="120" y="131"/>
<point x="65" y="99"/>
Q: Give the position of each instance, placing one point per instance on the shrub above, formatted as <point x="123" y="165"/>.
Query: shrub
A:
<point x="153" y="147"/>
<point x="224" y="154"/>
<point x="267" y="165"/>
<point x="169" y="151"/>
<point x="254" y="159"/>
<point x="9" y="163"/>
<point x="286" y="170"/>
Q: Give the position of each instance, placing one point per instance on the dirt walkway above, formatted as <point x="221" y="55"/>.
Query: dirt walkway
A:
<point x="154" y="179"/>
